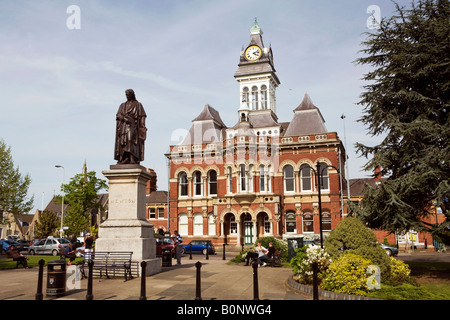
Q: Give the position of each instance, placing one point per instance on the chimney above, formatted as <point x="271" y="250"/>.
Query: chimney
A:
<point x="151" y="184"/>
<point x="377" y="174"/>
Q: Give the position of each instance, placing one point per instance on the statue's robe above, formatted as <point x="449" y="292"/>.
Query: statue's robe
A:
<point x="130" y="133"/>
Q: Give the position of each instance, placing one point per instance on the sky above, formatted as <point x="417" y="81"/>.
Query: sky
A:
<point x="64" y="71"/>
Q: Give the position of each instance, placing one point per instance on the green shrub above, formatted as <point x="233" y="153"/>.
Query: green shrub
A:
<point x="347" y="275"/>
<point x="352" y="236"/>
<point x="399" y="273"/>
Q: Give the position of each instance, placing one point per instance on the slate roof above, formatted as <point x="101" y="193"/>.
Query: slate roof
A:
<point x="157" y="197"/>
<point x="261" y="119"/>
<point x="307" y="119"/>
<point x="206" y="127"/>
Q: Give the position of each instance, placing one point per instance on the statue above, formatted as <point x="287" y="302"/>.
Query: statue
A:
<point x="130" y="131"/>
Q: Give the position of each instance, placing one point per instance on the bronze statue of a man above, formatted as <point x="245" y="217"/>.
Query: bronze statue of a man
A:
<point x="130" y="131"/>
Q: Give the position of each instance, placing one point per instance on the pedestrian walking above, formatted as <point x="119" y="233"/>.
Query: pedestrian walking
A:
<point x="178" y="246"/>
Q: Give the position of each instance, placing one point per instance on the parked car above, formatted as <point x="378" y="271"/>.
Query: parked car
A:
<point x="390" y="250"/>
<point x="200" y="246"/>
<point x="311" y="243"/>
<point x="50" y="245"/>
<point x="164" y="244"/>
<point x="25" y="244"/>
<point x="6" y="243"/>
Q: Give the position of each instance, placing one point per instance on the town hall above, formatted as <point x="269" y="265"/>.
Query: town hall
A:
<point x="258" y="176"/>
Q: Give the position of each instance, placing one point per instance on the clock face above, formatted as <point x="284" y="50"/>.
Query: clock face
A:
<point x="252" y="53"/>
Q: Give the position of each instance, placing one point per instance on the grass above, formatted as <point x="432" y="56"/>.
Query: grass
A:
<point x="33" y="261"/>
<point x="432" y="279"/>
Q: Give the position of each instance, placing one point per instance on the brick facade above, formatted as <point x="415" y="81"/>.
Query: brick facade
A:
<point x="258" y="177"/>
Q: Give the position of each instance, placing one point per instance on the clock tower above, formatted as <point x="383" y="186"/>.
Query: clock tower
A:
<point x="256" y="75"/>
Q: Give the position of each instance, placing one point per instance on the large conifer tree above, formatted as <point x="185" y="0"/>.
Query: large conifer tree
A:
<point x="406" y="102"/>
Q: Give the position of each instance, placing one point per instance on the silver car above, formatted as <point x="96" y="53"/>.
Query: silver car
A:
<point x="53" y="246"/>
<point x="390" y="250"/>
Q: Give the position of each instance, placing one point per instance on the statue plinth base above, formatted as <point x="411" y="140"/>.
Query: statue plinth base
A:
<point x="127" y="228"/>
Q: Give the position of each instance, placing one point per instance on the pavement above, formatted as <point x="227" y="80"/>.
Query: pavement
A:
<point x="220" y="280"/>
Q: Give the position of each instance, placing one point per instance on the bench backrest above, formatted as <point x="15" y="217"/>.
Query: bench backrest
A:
<point x="103" y="257"/>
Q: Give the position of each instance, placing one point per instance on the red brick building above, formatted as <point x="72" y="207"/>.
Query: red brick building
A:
<point x="258" y="177"/>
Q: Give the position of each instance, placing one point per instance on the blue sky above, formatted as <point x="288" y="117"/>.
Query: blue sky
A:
<point x="61" y="87"/>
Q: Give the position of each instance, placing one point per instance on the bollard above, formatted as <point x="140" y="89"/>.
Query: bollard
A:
<point x="143" y="273"/>
<point x="223" y="254"/>
<point x="190" y="251"/>
<point x="315" y="282"/>
<point x="89" y="295"/>
<point x="255" y="281"/>
<point x="39" y="294"/>
<point x="198" y="295"/>
<point x="207" y="252"/>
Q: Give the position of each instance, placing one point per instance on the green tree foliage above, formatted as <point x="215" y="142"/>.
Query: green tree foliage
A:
<point x="406" y="102"/>
<point x="81" y="197"/>
<point x="47" y="225"/>
<point x="13" y="185"/>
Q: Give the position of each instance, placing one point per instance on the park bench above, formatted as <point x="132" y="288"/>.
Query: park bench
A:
<point x="9" y="258"/>
<point x="108" y="263"/>
<point x="276" y="259"/>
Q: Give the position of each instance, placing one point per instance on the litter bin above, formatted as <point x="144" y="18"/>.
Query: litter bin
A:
<point x="294" y="243"/>
<point x="56" y="278"/>
<point x="167" y="258"/>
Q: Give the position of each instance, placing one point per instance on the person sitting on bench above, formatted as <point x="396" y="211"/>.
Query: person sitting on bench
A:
<point x="268" y="254"/>
<point x="70" y="253"/>
<point x="17" y="256"/>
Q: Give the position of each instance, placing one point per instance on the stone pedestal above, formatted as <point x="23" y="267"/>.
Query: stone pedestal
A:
<point x="127" y="228"/>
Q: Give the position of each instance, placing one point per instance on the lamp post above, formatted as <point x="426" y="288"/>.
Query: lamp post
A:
<point x="318" y="173"/>
<point x="62" y="203"/>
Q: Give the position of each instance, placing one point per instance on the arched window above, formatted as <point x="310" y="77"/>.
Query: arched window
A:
<point x="288" y="175"/>
<point x="269" y="184"/>
<point x="197" y="183"/>
<point x="308" y="222"/>
<point x="250" y="178"/>
<point x="305" y="177"/>
<point x="324" y="181"/>
<point x="233" y="225"/>
<point x="326" y="221"/>
<point x="262" y="178"/>
<point x="198" y="224"/>
<point x="255" y="98"/>
<point x="267" y="225"/>
<point x="212" y="181"/>
<point x="245" y="97"/>
<point x="242" y="175"/>
<point x="211" y="225"/>
<point x="230" y="180"/>
<point x="183" y="224"/>
<point x="182" y="184"/>
<point x="263" y="97"/>
<point x="291" y="223"/>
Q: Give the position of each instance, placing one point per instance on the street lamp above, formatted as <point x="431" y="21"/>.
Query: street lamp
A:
<point x="62" y="203"/>
<point x="318" y="173"/>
